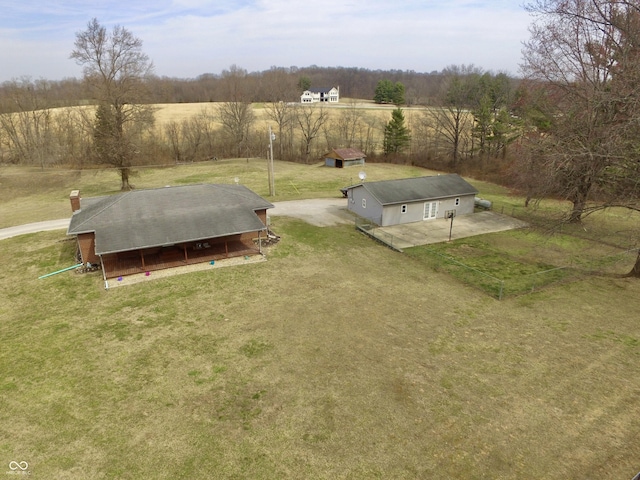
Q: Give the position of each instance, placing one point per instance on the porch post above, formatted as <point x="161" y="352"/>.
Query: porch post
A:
<point x="104" y="274"/>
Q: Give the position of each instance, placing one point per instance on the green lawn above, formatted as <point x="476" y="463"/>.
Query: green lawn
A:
<point x="337" y="358"/>
<point x="522" y="261"/>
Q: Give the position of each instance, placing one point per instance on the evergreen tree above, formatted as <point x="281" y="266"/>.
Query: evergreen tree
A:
<point x="389" y="92"/>
<point x="383" y="92"/>
<point x="398" y="94"/>
<point x="304" y="84"/>
<point x="396" y="135"/>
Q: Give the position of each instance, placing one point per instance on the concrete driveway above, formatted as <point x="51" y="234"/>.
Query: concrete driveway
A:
<point x="9" y="232"/>
<point x="321" y="212"/>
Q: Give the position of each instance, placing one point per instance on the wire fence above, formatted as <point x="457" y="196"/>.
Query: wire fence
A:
<point x="369" y="228"/>
<point x="500" y="288"/>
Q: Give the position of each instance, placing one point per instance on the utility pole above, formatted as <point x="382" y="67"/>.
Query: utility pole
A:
<point x="272" y="180"/>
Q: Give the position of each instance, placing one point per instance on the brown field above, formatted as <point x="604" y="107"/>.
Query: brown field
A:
<point x="178" y="112"/>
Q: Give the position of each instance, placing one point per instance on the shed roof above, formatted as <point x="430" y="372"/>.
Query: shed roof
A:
<point x="345" y="154"/>
<point x="405" y="190"/>
<point x="166" y="216"/>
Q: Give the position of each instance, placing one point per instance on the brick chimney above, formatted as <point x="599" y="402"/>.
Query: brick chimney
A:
<point x="74" y="196"/>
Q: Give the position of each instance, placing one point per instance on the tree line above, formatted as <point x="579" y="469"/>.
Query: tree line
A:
<point x="263" y="86"/>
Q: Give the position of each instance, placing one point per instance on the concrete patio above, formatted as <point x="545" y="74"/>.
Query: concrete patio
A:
<point x="436" y="231"/>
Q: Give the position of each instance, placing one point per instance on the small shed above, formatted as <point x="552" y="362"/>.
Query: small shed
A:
<point x="394" y="202"/>
<point x="344" y="157"/>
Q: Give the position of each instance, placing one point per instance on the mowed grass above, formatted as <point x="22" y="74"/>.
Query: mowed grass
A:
<point x="31" y="195"/>
<point x="335" y="359"/>
<point x="521" y="261"/>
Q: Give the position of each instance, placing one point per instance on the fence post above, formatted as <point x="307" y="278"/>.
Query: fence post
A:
<point x="501" y="289"/>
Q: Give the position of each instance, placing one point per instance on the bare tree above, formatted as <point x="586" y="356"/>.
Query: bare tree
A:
<point x="349" y="124"/>
<point x="452" y="125"/>
<point x="115" y="70"/>
<point x="453" y="121"/>
<point x="369" y="128"/>
<point x="28" y="130"/>
<point x="237" y="118"/>
<point x="310" y="119"/>
<point x="190" y="139"/>
<point x="282" y="114"/>
<point x="236" y="115"/>
<point x="586" y="55"/>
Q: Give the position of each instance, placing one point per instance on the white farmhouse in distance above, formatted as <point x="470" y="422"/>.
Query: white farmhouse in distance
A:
<point x="315" y="95"/>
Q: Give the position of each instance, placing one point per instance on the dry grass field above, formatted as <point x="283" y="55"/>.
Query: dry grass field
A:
<point x="337" y="358"/>
<point x="166" y="112"/>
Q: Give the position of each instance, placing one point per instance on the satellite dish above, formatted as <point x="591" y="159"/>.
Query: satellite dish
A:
<point x="362" y="175"/>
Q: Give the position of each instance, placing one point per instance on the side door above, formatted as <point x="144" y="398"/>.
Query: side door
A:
<point x="430" y="210"/>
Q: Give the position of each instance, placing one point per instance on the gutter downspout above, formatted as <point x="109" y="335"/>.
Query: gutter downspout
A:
<point x="104" y="274"/>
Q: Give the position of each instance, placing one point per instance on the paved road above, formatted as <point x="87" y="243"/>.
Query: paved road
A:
<point x="60" y="224"/>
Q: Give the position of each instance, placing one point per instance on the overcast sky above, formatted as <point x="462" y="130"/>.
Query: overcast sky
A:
<point x="186" y="38"/>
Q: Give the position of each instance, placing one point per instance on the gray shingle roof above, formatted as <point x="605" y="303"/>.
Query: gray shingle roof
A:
<point x="405" y="190"/>
<point x="166" y="216"/>
<point x="321" y="90"/>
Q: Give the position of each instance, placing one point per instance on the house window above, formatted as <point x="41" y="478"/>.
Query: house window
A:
<point x="403" y="209"/>
<point x="364" y="203"/>
<point x="457" y="202"/>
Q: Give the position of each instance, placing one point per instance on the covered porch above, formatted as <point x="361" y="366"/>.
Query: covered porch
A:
<point x="151" y="259"/>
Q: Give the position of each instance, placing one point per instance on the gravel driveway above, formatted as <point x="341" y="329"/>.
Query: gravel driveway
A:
<point x="321" y="212"/>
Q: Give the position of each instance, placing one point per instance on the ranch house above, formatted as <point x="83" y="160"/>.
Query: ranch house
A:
<point x="344" y="157"/>
<point x="321" y="95"/>
<point x="144" y="230"/>
<point x="393" y="202"/>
